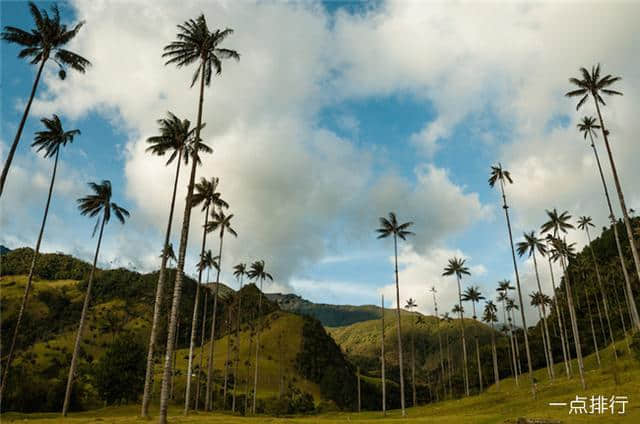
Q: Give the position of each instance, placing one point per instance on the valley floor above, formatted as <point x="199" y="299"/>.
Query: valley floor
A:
<point x="497" y="405"/>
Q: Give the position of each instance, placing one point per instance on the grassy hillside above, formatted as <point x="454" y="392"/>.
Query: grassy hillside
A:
<point x="504" y="404"/>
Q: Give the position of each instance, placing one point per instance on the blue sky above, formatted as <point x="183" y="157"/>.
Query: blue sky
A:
<point x="357" y="109"/>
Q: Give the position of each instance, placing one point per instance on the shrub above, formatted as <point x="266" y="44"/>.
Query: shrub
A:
<point x="120" y="372"/>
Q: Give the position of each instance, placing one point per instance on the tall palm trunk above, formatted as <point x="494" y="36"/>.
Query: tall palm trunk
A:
<point x="464" y="343"/>
<point x="549" y="352"/>
<point x="475" y="336"/>
<point x="624" y="326"/>
<point x="177" y="289"/>
<point x="16" y="140"/>
<point x="560" y="320"/>
<point x="153" y="337"/>
<point x="194" y="319"/>
<point x="574" y="322"/>
<point x="511" y="344"/>
<point x="450" y="366"/>
<point x="384" y="391"/>
<point x="601" y="285"/>
<point x="83" y="318"/>
<point x="494" y="354"/>
<point x="544" y="344"/>
<point x="435" y="306"/>
<point x="635" y="319"/>
<point x="593" y="331"/>
<point x="226" y="363"/>
<point x="175" y="360"/>
<point x="616" y="234"/>
<point x="515" y="268"/>
<point x="258" y="329"/>
<point x="399" y="326"/>
<point x="604" y="334"/>
<point x="203" y="330"/>
<point x="210" y="383"/>
<point x="236" y="376"/>
<point x="27" y="289"/>
<point x="413" y="363"/>
<point x="246" y="381"/>
<point x="515" y="344"/>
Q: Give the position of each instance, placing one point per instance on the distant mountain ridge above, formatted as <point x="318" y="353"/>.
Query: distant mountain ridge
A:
<point x="329" y="315"/>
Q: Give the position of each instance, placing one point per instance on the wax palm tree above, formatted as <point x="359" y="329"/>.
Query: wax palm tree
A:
<point x="389" y="227"/>
<point x="584" y="222"/>
<point x="258" y="272"/>
<point x="177" y="139"/>
<point x="490" y="317"/>
<point x="205" y="196"/>
<point x="456" y="267"/>
<point x="587" y="292"/>
<point x="222" y="223"/>
<point x="529" y="246"/>
<point x="96" y="204"/>
<point x="472" y="294"/>
<point x="195" y="44"/>
<point x="503" y="289"/>
<point x="411" y="304"/>
<point x="239" y="271"/>
<point x="566" y="353"/>
<point x="435" y="307"/>
<point x="43" y="43"/>
<point x="537" y="300"/>
<point x="171" y="255"/>
<point x="594" y="85"/>
<point x="446" y="318"/>
<point x="49" y="142"/>
<point x="565" y="251"/>
<point x="498" y="174"/>
<point x="512" y="306"/>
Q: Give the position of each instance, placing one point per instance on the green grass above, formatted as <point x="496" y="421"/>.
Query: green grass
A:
<point x="496" y="405"/>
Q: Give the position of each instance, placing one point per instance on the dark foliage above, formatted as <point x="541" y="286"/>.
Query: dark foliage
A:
<point x="119" y="375"/>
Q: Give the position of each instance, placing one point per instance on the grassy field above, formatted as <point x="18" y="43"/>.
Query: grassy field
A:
<point x="501" y="404"/>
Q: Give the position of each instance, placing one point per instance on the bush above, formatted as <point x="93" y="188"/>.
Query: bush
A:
<point x="120" y="372"/>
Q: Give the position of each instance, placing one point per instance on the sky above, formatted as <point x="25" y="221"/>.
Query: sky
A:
<point x="336" y="114"/>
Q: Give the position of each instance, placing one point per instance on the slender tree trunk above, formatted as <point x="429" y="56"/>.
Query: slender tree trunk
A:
<point x="16" y="140"/>
<point x="384" y="393"/>
<point x="463" y="339"/>
<point x="549" y="351"/>
<point x="450" y="366"/>
<point x="202" y="334"/>
<point x="210" y="383"/>
<point x="601" y="286"/>
<point x="635" y="319"/>
<point x="511" y="344"/>
<point x="259" y="329"/>
<point x="236" y="376"/>
<point x="475" y="336"/>
<point x="544" y="344"/>
<point x="494" y="353"/>
<point x="148" y="379"/>
<point x="194" y="319"/>
<point x="516" y="346"/>
<point x="435" y="305"/>
<point x="574" y="322"/>
<point x="399" y="327"/>
<point x="624" y="326"/>
<point x="177" y="289"/>
<point x="226" y="363"/>
<point x="175" y="359"/>
<point x="83" y="318"/>
<point x="560" y="322"/>
<point x="602" y="329"/>
<point x="359" y="398"/>
<point x="413" y="363"/>
<point x="593" y="331"/>
<point x="515" y="268"/>
<point x="27" y="289"/>
<point x="246" y="398"/>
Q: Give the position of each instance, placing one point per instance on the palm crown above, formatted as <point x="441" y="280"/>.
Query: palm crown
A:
<point x="207" y="260"/>
<point x="53" y="137"/>
<point x="411" y="303"/>
<point x="177" y="136"/>
<point x="472" y="294"/>
<point x="558" y="222"/>
<point x="391" y="226"/>
<point x="499" y="174"/>
<point x="456" y="266"/>
<point x="239" y="270"/>
<point x="197" y="43"/>
<point x="100" y="201"/>
<point x="221" y="222"/>
<point x="169" y="251"/>
<point x="504" y="286"/>
<point x="46" y="38"/>
<point x="584" y="222"/>
<point x="531" y="244"/>
<point x="257" y="271"/>
<point x="490" y="311"/>
<point x="207" y="195"/>
<point x="588" y="126"/>
<point x="592" y="83"/>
